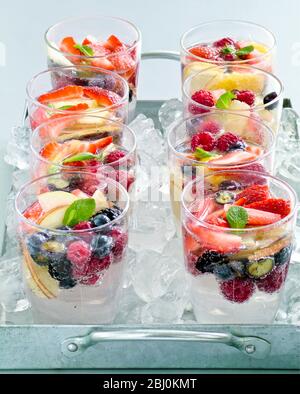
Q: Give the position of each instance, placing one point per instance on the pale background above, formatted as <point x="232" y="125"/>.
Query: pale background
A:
<point x="22" y="25"/>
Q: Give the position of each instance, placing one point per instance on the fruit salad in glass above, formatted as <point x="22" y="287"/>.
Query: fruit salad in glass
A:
<point x="62" y="91"/>
<point x="85" y="143"/>
<point x="238" y="233"/>
<point x="105" y="42"/>
<point x="215" y="141"/>
<point x="229" y="42"/>
<point x="74" y="244"/>
<point x="241" y="89"/>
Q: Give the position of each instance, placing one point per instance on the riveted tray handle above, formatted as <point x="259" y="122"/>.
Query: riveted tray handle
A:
<point x="253" y="347"/>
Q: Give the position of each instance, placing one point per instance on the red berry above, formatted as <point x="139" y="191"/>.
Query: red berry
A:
<point x="114" y="156"/>
<point x="249" y="178"/>
<point x="228" y="57"/>
<point x="95" y="270"/>
<point x="273" y="205"/>
<point x="125" y="178"/>
<point x="79" y="253"/>
<point x="238" y="290"/>
<point x="274" y="280"/>
<point x="227" y="141"/>
<point x="191" y="261"/>
<point x="224" y="42"/>
<point x="203" y="140"/>
<point x="83" y="226"/>
<point x="211" y="126"/>
<point x="90" y="185"/>
<point x="205" y="52"/>
<point x="246" y="96"/>
<point x="120" y="241"/>
<point x="254" y="193"/>
<point x="203" y="97"/>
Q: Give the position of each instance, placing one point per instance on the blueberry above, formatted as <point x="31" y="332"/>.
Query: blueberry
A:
<point x="102" y="245"/>
<point x="209" y="260"/>
<point x="224" y="197"/>
<point x="60" y="270"/>
<point x="223" y="272"/>
<point x="100" y="220"/>
<point x="239" y="268"/>
<point x="283" y="256"/>
<point x="34" y="244"/>
<point x="229" y="185"/>
<point x="240" y="145"/>
<point x="270" y="97"/>
<point x="112" y="213"/>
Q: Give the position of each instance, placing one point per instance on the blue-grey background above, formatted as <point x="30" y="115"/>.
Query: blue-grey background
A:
<point x="23" y="23"/>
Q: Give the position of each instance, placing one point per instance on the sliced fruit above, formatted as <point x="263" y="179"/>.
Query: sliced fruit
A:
<point x="235" y="157"/>
<point x="274" y="205"/>
<point x="102" y="62"/>
<point x="259" y="268"/>
<point x="65" y="93"/>
<point x="54" y="218"/>
<point x="49" y="149"/>
<point x="253" y="194"/>
<point x="71" y="103"/>
<point x="240" y="81"/>
<point x="57" y="57"/>
<point x="34" y="212"/>
<point x="102" y="96"/>
<point x="101" y="200"/>
<point x="256" y="150"/>
<point x="113" y="43"/>
<point x="52" y="200"/>
<point x="261" y="218"/>
<point x="67" y="45"/>
<point x="80" y="194"/>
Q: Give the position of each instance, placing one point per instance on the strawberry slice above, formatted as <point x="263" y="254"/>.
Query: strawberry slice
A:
<point x="50" y="150"/>
<point x="74" y="108"/>
<point x="114" y="43"/>
<point x="253" y="194"/>
<point x="277" y="206"/>
<point x="65" y="93"/>
<point x="123" y="63"/>
<point x="236" y="157"/>
<point x="102" y="96"/>
<point x="34" y="212"/>
<point x="216" y="240"/>
<point x="38" y="117"/>
<point x="67" y="45"/>
<point x="256" y="150"/>
<point x="261" y="218"/>
<point x="102" y="143"/>
<point x="86" y="41"/>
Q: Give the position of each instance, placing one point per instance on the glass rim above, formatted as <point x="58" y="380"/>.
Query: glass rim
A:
<point x="35" y="134"/>
<point x="65" y="232"/>
<point x="292" y="194"/>
<point x="244" y="66"/>
<point x="236" y="21"/>
<point x="193" y="162"/>
<point x="74" y="19"/>
<point x="32" y="99"/>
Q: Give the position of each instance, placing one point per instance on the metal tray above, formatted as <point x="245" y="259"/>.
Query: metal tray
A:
<point x="238" y="347"/>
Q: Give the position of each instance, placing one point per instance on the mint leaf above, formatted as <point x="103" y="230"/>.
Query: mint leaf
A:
<point x="245" y="51"/>
<point x="80" y="157"/>
<point x="237" y="217"/>
<point x="225" y="100"/>
<point x="85" y="49"/>
<point x="80" y="211"/>
<point x="64" y="107"/>
<point x="201" y="154"/>
<point x="228" y="50"/>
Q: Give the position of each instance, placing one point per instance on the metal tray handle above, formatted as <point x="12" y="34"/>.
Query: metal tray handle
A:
<point x="168" y="55"/>
<point x="253" y="347"/>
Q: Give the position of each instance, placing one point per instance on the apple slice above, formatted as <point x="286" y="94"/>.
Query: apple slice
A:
<point x="51" y="200"/>
<point x="101" y="201"/>
<point x="54" y="219"/>
<point x="80" y="194"/>
<point x="74" y="102"/>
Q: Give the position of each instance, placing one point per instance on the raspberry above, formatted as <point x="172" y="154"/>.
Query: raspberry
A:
<point x="229" y="141"/>
<point x="93" y="165"/>
<point x="114" y="156"/>
<point x="203" y="140"/>
<point x="224" y="42"/>
<point x="254" y="193"/>
<point x="211" y="126"/>
<point x="228" y="57"/>
<point x="204" y="97"/>
<point x="79" y="254"/>
<point x="237" y="290"/>
<point x="83" y="226"/>
<point x="246" y="96"/>
<point x="205" y="52"/>
<point x="95" y="270"/>
<point x="273" y="205"/>
<point x="274" y="280"/>
<point x="120" y="241"/>
<point x="90" y="185"/>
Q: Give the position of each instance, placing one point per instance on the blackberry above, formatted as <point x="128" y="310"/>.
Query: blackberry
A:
<point x="60" y="270"/>
<point x="283" y="256"/>
<point x="111" y="213"/>
<point x="67" y="283"/>
<point x="270" y="97"/>
<point x="208" y="261"/>
<point x="229" y="185"/>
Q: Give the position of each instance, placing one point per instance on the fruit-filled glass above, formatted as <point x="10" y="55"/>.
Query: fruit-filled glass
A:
<point x="227" y="42"/>
<point x="62" y="91"/>
<point x="219" y="140"/>
<point x="241" y="89"/>
<point x="74" y="247"/>
<point x="238" y="233"/>
<point x="107" y="42"/>
<point x="85" y="143"/>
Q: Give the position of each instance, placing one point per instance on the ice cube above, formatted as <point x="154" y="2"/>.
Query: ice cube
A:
<point x="170" y="112"/>
<point x="17" y="151"/>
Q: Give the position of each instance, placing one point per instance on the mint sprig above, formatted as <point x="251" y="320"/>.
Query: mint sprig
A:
<point x="201" y="154"/>
<point x="237" y="217"/>
<point x="225" y="100"/>
<point x="80" y="211"/>
<point x="245" y="51"/>
<point x="84" y="49"/>
<point x="228" y="50"/>
<point x="81" y="157"/>
<point x="65" y="107"/>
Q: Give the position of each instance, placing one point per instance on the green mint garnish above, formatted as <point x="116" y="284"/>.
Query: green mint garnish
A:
<point x="80" y="157"/>
<point x="228" y="50"/>
<point x="237" y="217"/>
<point x="245" y="51"/>
<point x="80" y="211"/>
<point x="201" y="154"/>
<point x="64" y="107"/>
<point x="225" y="100"/>
<point x="85" y="49"/>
